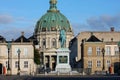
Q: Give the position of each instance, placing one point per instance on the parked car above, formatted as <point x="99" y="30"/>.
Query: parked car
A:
<point x="47" y="70"/>
<point x="43" y="70"/>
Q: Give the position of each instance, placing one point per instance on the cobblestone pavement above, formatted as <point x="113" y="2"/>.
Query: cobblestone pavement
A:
<point x="59" y="77"/>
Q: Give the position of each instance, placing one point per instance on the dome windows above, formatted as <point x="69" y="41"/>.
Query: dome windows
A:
<point x="45" y="21"/>
<point x="53" y="20"/>
<point x="53" y="29"/>
<point x="61" y="20"/>
<point x="43" y="29"/>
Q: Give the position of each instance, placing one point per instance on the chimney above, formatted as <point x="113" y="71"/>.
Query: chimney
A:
<point x="22" y="33"/>
<point x="112" y="29"/>
<point x="12" y="40"/>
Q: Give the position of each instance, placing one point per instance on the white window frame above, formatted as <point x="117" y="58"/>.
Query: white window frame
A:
<point x="116" y="50"/>
<point x="16" y="51"/>
<point x="108" y="50"/>
<point x="25" y="64"/>
<point x="89" y="50"/>
<point x="0" y="51"/>
<point x="25" y="51"/>
<point x="98" y="63"/>
<point x="108" y="63"/>
<point x="6" y="64"/>
<point x="98" y="51"/>
<point x="89" y="64"/>
<point x="16" y="64"/>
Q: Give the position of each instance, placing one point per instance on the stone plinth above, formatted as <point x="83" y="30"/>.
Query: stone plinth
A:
<point x="63" y="65"/>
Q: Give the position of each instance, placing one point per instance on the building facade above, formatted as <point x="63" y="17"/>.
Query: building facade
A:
<point x="21" y="62"/>
<point x="89" y="52"/>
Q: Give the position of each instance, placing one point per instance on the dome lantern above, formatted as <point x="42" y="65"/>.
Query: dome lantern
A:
<point x="53" y="5"/>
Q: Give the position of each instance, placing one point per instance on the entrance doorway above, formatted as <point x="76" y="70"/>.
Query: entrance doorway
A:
<point x="0" y="68"/>
<point x="53" y="66"/>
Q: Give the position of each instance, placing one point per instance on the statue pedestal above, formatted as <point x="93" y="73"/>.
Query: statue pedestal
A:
<point x="63" y="65"/>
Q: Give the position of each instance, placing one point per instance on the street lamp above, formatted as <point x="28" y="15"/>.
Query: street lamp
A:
<point x="103" y="52"/>
<point x="119" y="53"/>
<point x="18" y="61"/>
<point x="8" y="46"/>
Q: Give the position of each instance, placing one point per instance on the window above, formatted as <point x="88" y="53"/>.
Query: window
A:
<point x="25" y="64"/>
<point x="43" y="42"/>
<point x="89" y="50"/>
<point x="89" y="64"/>
<point x="0" y="52"/>
<point x="108" y="50"/>
<point x="16" y="51"/>
<point x="25" y="51"/>
<point x="6" y="64"/>
<point x="98" y="51"/>
<point x="16" y="64"/>
<point x="116" y="49"/>
<point x="108" y="63"/>
<point x="53" y="43"/>
<point x="98" y="63"/>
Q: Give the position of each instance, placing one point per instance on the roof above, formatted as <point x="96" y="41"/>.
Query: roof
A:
<point x="33" y="38"/>
<point x="2" y="39"/>
<point x="93" y="39"/>
<point x="53" y="20"/>
<point x="24" y="39"/>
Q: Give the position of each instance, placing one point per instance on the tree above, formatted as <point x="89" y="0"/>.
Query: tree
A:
<point x="36" y="57"/>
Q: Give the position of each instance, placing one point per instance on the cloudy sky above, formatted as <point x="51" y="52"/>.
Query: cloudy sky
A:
<point x="84" y="15"/>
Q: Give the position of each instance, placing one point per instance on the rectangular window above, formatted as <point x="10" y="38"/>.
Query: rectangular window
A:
<point x="98" y="51"/>
<point x="89" y="64"/>
<point x="108" y="50"/>
<point x="0" y="51"/>
<point x="98" y="63"/>
<point x="89" y="50"/>
<point x="25" y="64"/>
<point x="6" y="64"/>
<point x="16" y="51"/>
<point x="16" y="64"/>
<point x="108" y="63"/>
<point x="25" y="51"/>
<point x="116" y="49"/>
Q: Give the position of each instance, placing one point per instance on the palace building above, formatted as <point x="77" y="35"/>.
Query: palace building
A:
<point x="98" y="51"/>
<point x="47" y="32"/>
<point x="16" y="56"/>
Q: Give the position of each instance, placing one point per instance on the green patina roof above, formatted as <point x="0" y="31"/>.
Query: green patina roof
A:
<point x="53" y="20"/>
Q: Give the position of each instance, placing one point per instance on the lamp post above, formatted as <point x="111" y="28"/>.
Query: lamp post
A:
<point x="103" y="52"/>
<point x="18" y="61"/>
<point x="119" y="53"/>
<point x="8" y="46"/>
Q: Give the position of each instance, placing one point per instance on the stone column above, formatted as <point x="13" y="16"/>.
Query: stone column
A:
<point x="44" y="60"/>
<point x="50" y="61"/>
<point x="49" y="42"/>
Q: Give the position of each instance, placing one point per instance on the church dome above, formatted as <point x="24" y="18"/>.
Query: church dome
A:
<point x="53" y="20"/>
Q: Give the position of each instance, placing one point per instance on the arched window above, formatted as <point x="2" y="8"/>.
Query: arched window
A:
<point x="43" y="42"/>
<point x="53" y="43"/>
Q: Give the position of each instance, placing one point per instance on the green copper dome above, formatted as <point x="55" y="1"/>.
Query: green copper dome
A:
<point x="53" y="20"/>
